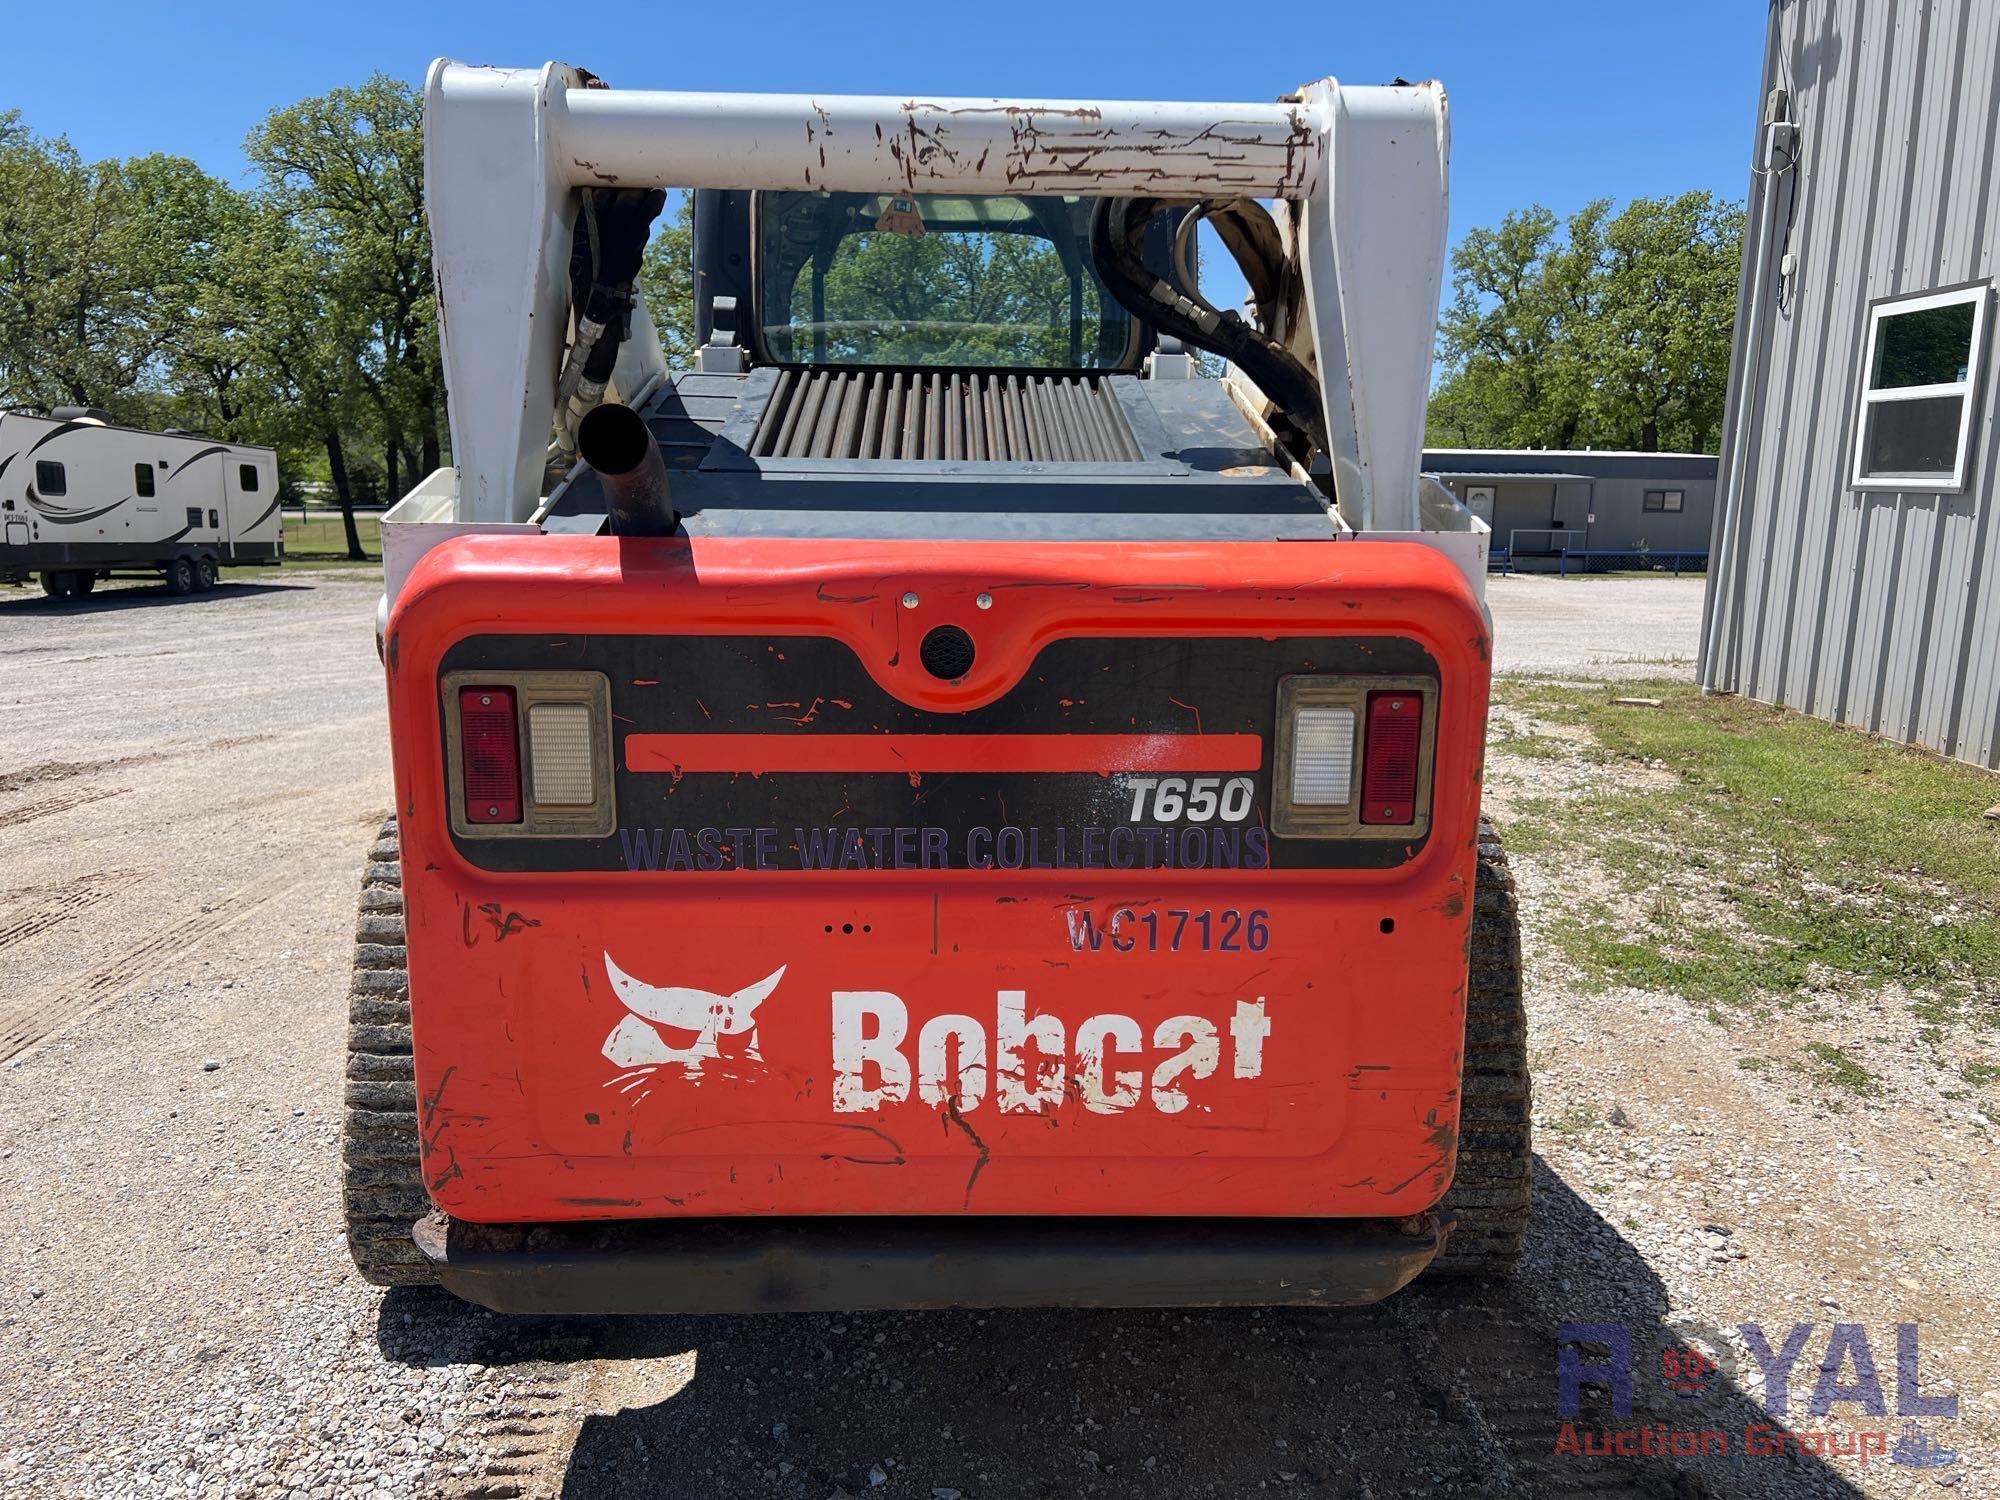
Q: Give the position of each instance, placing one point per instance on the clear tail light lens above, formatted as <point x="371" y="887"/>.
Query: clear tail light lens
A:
<point x="562" y="758"/>
<point x="490" y="747"/>
<point x="1322" y="757"/>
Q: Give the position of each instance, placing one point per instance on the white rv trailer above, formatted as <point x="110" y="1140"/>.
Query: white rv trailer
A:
<point x="82" y="500"/>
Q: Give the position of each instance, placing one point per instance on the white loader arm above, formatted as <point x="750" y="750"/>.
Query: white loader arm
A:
<point x="506" y="150"/>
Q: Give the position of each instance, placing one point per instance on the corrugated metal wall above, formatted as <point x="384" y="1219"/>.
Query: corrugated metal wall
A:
<point x="1881" y="610"/>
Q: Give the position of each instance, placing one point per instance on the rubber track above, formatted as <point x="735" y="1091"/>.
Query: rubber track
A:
<point x="1490" y="1192"/>
<point x="381" y="1178"/>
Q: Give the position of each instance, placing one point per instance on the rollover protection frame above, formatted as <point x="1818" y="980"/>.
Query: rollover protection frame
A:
<point x="1364" y="169"/>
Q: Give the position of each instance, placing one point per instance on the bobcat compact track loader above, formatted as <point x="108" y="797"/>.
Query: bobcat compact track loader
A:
<point x="938" y="802"/>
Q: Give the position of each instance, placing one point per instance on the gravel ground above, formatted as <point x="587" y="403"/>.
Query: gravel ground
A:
<point x="1618" y="626"/>
<point x="186" y="792"/>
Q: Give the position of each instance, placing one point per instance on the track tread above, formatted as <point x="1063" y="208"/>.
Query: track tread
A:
<point x="382" y="1185"/>
<point x="1490" y="1191"/>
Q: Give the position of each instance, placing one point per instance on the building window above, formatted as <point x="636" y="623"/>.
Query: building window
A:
<point x="1670" y="501"/>
<point x="1915" y="423"/>
<point x="50" y="478"/>
<point x="142" y="480"/>
<point x="246" y="475"/>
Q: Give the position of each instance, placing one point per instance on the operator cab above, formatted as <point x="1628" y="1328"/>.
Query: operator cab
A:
<point x="963" y="361"/>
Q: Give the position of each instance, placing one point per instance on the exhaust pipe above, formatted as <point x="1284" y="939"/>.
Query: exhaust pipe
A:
<point x="615" y="441"/>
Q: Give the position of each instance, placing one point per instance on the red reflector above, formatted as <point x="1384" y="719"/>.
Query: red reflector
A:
<point x="490" y="747"/>
<point x="1389" y="757"/>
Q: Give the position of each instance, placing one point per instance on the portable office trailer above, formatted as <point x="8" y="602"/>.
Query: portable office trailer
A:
<point x="82" y="500"/>
<point x="1596" y="505"/>
<point x="1856" y="545"/>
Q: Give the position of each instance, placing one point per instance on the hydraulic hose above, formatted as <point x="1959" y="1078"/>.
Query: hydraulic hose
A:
<point x="1117" y="234"/>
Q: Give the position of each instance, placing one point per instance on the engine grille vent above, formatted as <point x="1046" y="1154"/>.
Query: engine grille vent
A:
<point x="977" y="416"/>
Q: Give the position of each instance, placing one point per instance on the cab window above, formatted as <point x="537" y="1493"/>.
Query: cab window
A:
<point x="915" y="278"/>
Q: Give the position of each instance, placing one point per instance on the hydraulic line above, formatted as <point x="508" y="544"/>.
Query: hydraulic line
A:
<point x="1246" y="229"/>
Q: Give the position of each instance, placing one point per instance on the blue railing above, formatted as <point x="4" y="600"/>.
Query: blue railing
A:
<point x="1570" y="560"/>
<point x="1610" y="560"/>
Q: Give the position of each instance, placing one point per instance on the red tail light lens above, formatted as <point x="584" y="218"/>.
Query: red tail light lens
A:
<point x="489" y="741"/>
<point x="1390" y="755"/>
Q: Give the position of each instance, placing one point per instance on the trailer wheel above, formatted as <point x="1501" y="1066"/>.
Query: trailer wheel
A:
<point x="60" y="584"/>
<point x="382" y="1184"/>
<point x="1490" y="1192"/>
<point x="85" y="582"/>
<point x="204" y="573"/>
<point x="180" y="577"/>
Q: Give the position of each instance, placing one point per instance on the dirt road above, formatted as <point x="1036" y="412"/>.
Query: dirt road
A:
<point x="186" y="792"/>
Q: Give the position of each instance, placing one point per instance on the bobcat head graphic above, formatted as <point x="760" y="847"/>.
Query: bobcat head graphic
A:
<point x="680" y="1026"/>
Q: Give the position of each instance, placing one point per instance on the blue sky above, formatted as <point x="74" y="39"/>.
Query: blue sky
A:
<point x="1555" y="103"/>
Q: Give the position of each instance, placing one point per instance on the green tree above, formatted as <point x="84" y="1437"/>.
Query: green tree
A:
<point x="1607" y="331"/>
<point x="346" y="167"/>
<point x="210" y="359"/>
<point x="97" y="267"/>
<point x="666" y="283"/>
<point x="1668" y="268"/>
<point x="302" y="353"/>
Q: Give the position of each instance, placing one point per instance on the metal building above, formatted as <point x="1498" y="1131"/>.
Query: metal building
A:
<point x="1596" y="507"/>
<point x="1857" y="556"/>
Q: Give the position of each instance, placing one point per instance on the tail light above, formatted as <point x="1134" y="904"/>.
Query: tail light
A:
<point x="529" y="754"/>
<point x="1322" y="757"/>
<point x="1389" y="766"/>
<point x="559" y="754"/>
<point x="1353" y="757"/>
<point x="489" y="740"/>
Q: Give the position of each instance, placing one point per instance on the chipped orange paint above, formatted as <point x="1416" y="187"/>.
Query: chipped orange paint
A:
<point x="1351" y="1110"/>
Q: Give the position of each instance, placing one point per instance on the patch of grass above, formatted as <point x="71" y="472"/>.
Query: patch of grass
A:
<point x="1831" y="855"/>
<point x="1572" y="1121"/>
<point x="320" y="541"/>
<point x="1839" y="1070"/>
<point x="1537" y="826"/>
<point x="1753" y="1064"/>
<point x="1709" y="965"/>
<point x="1980" y="1073"/>
<point x="1528" y="744"/>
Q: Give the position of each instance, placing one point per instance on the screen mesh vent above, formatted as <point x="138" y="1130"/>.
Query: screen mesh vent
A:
<point x="976" y="416"/>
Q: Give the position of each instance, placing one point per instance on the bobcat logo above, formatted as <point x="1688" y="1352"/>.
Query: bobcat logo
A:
<point x="681" y="1028"/>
